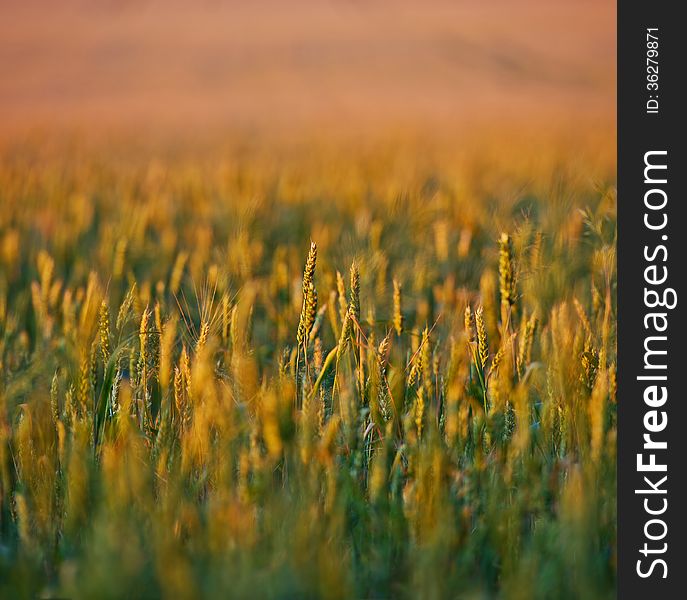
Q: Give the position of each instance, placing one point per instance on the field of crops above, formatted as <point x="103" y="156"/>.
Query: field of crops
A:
<point x="384" y="371"/>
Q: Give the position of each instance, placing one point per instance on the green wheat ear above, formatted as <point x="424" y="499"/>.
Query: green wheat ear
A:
<point x="309" y="306"/>
<point x="398" y="314"/>
<point x="482" y="343"/>
<point x="506" y="270"/>
<point x="104" y="331"/>
<point x="355" y="291"/>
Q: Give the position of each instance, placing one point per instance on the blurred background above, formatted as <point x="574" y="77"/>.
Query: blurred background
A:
<point x="333" y="67"/>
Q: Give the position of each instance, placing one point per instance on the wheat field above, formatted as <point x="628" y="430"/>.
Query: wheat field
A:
<point x="387" y="372"/>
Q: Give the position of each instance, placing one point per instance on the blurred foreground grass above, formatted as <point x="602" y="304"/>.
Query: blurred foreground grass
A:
<point x="196" y="402"/>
